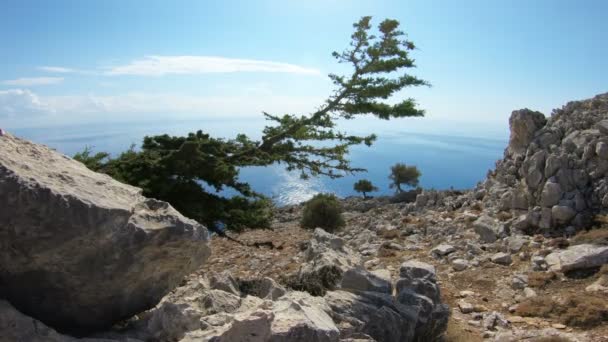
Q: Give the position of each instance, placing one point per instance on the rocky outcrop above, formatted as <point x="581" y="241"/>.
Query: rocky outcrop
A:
<point x="554" y="171"/>
<point x="80" y="251"/>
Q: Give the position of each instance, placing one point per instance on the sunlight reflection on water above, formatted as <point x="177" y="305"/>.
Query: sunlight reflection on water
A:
<point x="291" y="189"/>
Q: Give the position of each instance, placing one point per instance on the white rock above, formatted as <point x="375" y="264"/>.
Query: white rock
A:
<point x="577" y="257"/>
<point x="501" y="258"/>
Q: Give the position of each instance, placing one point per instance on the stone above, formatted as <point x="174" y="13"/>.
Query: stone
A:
<point x="443" y="250"/>
<point x="414" y="269"/>
<point x="327" y="258"/>
<point x="562" y="213"/>
<point x="224" y="282"/>
<point x="577" y="257"/>
<point x="600" y="285"/>
<point x="529" y="293"/>
<point x="601" y="149"/>
<point x="300" y="317"/>
<point x="602" y="126"/>
<point x="523" y="124"/>
<point x="358" y="279"/>
<point x="265" y="288"/>
<point x="502" y="258"/>
<point x="551" y="194"/>
<point x="459" y="265"/>
<point x="519" y="281"/>
<point x="516" y="243"/>
<point x="375" y="314"/>
<point x="465" y="307"/>
<point x="96" y="250"/>
<point x="488" y="229"/>
<point x="171" y="321"/>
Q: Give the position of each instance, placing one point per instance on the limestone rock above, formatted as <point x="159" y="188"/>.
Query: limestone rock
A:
<point x="327" y="257"/>
<point x="551" y="194"/>
<point x="502" y="258"/>
<point x="300" y="317"/>
<point x="459" y="265"/>
<point x="81" y="251"/>
<point x="375" y="314"/>
<point x="359" y="279"/>
<point x="562" y="213"/>
<point x="523" y="124"/>
<point x="488" y="229"/>
<point x="443" y="250"/>
<point x="577" y="257"/>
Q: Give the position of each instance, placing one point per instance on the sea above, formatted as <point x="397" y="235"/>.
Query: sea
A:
<point x="448" y="154"/>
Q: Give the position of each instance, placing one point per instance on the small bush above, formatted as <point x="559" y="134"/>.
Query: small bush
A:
<point x="324" y="211"/>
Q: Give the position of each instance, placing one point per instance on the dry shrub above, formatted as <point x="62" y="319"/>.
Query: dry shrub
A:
<point x="504" y="216"/>
<point x="540" y="279"/>
<point x="585" y="311"/>
<point x="598" y="236"/>
<point x="537" y="307"/>
<point x="576" y="310"/>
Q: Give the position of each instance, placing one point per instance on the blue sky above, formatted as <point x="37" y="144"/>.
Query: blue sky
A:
<point x="104" y="61"/>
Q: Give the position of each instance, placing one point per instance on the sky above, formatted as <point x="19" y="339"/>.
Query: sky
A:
<point x="85" y="62"/>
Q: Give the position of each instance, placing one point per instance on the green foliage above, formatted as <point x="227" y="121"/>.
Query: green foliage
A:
<point x="324" y="211"/>
<point x="364" y="186"/>
<point x="174" y="168"/>
<point x="91" y="161"/>
<point x="403" y="174"/>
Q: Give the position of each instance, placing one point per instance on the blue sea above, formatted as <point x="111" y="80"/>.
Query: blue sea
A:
<point x="448" y="155"/>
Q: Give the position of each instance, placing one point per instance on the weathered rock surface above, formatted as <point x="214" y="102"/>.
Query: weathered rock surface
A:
<point x="578" y="257"/>
<point x="80" y="251"/>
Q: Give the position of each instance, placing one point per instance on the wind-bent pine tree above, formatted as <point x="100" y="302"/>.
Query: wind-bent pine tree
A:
<point x="173" y="168"/>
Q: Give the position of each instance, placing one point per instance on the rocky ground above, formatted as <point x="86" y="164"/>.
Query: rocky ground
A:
<point x="483" y="283"/>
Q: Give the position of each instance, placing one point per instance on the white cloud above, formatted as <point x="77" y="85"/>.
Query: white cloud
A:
<point x="20" y="102"/>
<point x="164" y="65"/>
<point x="82" y="108"/>
<point x="33" y="81"/>
<point x="56" y="69"/>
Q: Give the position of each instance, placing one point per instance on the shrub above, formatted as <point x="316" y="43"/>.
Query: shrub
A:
<point x="403" y="174"/>
<point x="323" y="210"/>
<point x="364" y="186"/>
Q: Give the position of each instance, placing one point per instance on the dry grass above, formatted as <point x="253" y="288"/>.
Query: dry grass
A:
<point x="540" y="279"/>
<point x="504" y="216"/>
<point x="457" y="333"/>
<point x="583" y="311"/>
<point x="598" y="236"/>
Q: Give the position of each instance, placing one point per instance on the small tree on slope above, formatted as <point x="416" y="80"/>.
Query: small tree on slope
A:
<point x="364" y="186"/>
<point x="403" y="174"/>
